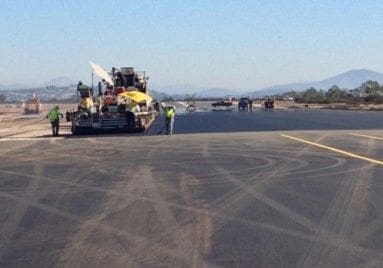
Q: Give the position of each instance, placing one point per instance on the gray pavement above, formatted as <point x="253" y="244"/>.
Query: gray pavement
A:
<point x="230" y="199"/>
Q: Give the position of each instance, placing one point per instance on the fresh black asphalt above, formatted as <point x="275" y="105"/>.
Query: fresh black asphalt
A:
<point x="274" y="120"/>
<point x="239" y="196"/>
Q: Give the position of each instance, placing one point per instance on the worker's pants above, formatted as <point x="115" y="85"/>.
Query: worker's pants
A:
<point x="169" y="122"/>
<point x="55" y="127"/>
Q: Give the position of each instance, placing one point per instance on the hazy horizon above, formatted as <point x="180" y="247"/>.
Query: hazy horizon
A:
<point x="212" y="44"/>
<point x="191" y="89"/>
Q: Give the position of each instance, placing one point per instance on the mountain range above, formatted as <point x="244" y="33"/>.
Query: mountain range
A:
<point x="61" y="81"/>
<point x="347" y="80"/>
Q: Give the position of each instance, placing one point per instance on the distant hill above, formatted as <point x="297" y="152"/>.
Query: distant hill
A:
<point x="181" y="91"/>
<point x="347" y="80"/>
<point x="158" y="95"/>
<point x="216" y="93"/>
<point x="61" y="81"/>
<point x="44" y="93"/>
<point x="14" y="86"/>
<point x="176" y="89"/>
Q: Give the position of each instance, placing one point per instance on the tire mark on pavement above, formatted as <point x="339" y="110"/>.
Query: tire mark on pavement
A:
<point x="219" y="215"/>
<point x="345" y="215"/>
<point x="116" y="205"/>
<point x="250" y="189"/>
<point x="99" y="226"/>
<point x="19" y="211"/>
<point x="80" y="243"/>
<point x="192" y="237"/>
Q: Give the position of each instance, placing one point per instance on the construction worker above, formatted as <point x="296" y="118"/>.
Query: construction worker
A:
<point x="156" y="106"/>
<point x="134" y="107"/>
<point x="169" y="119"/>
<point x="54" y="118"/>
<point x="250" y="105"/>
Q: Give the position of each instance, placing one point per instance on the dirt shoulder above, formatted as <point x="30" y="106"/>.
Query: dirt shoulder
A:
<point x="14" y="123"/>
<point x="339" y="106"/>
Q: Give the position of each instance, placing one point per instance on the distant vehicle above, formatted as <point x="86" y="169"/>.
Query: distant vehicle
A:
<point x="245" y="104"/>
<point x="191" y="106"/>
<point x="33" y="106"/>
<point x="222" y="106"/>
<point x="222" y="103"/>
<point x="269" y="103"/>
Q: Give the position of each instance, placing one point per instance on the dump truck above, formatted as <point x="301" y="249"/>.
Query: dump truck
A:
<point x="33" y="106"/>
<point x="269" y="103"/>
<point x="121" y="103"/>
<point x="245" y="104"/>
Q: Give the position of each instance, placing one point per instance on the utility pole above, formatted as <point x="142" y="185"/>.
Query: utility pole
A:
<point x="92" y="79"/>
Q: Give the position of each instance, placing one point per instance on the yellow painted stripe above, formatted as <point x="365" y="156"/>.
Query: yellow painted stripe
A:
<point x="371" y="160"/>
<point x="366" y="136"/>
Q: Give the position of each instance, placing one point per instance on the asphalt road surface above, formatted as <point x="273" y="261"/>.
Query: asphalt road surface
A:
<point x="274" y="120"/>
<point x="303" y="198"/>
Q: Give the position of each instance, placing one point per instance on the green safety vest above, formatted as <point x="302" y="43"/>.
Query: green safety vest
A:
<point x="169" y="113"/>
<point x="53" y="115"/>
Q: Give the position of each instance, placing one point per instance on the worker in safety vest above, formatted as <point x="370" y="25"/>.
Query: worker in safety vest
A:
<point x="54" y="118"/>
<point x="169" y="112"/>
<point x="86" y="103"/>
<point x="134" y="107"/>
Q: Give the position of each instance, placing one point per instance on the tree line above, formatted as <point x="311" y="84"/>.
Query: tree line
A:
<point x="370" y="91"/>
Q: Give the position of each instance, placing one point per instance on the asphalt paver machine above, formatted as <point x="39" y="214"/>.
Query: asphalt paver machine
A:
<point x="121" y="103"/>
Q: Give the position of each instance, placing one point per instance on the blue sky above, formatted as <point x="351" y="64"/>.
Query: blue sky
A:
<point x="231" y="44"/>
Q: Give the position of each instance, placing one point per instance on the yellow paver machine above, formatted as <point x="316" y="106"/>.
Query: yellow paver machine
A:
<point x="122" y="103"/>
